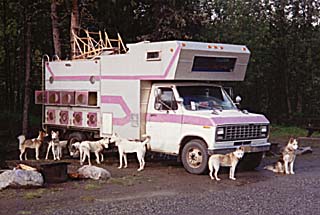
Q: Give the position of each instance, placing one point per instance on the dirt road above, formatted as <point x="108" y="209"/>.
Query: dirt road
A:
<point x="166" y="188"/>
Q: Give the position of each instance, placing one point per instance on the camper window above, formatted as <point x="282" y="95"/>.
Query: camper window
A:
<point x="153" y="55"/>
<point x="165" y="100"/>
<point x="213" y="64"/>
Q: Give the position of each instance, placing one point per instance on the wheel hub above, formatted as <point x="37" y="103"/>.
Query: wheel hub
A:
<point x="194" y="157"/>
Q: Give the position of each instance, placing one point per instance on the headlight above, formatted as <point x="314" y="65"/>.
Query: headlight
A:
<point x="220" y="131"/>
<point x="264" y="129"/>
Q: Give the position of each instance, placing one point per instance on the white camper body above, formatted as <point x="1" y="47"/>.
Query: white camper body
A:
<point x="121" y="93"/>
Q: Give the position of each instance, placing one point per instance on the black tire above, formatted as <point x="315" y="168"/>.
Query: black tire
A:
<point x="194" y="157"/>
<point x="75" y="137"/>
<point x="250" y="161"/>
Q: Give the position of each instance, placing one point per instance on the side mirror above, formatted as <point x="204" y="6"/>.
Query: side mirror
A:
<point x="157" y="92"/>
<point x="158" y="106"/>
<point x="238" y="99"/>
<point x="179" y="100"/>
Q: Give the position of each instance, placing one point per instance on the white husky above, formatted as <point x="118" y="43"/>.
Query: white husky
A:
<point x="85" y="147"/>
<point x="131" y="146"/>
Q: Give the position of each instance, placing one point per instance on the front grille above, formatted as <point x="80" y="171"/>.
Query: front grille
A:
<point x="241" y="132"/>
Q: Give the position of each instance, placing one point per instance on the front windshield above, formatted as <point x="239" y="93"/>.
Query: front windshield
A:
<point x="205" y="98"/>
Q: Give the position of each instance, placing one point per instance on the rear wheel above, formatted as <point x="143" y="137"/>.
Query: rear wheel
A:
<point x="250" y="161"/>
<point x="194" y="157"/>
<point x="73" y="138"/>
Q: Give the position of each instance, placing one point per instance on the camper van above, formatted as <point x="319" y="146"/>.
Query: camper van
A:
<point x="164" y="89"/>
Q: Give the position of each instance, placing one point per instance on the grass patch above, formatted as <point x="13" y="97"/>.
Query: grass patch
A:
<point x="88" y="198"/>
<point x="92" y="186"/>
<point x="124" y="181"/>
<point x="34" y="194"/>
<point x="24" y="212"/>
<point x="278" y="131"/>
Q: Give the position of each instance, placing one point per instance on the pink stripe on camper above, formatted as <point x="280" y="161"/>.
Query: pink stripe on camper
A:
<point x="120" y="101"/>
<point x="118" y="77"/>
<point x="175" y="118"/>
<point x="146" y="77"/>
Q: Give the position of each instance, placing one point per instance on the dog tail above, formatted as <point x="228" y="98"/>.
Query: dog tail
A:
<point x="21" y="139"/>
<point x="271" y="168"/>
<point x="147" y="141"/>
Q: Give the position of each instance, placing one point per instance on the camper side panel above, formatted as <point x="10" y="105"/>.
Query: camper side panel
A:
<point x="120" y="108"/>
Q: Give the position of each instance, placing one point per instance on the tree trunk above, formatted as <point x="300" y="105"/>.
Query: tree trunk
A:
<point x="74" y="25"/>
<point x="55" y="28"/>
<point x="25" y="116"/>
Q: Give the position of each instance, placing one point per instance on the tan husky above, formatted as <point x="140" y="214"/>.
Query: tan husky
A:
<point x="286" y="161"/>
<point x="229" y="160"/>
<point x="31" y="143"/>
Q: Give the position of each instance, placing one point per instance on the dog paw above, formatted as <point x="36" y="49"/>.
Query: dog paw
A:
<point x="119" y="167"/>
<point x="218" y="179"/>
<point x="292" y="173"/>
<point x="140" y="169"/>
<point x="233" y="179"/>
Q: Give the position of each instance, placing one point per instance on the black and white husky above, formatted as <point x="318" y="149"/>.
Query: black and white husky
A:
<point x="286" y="160"/>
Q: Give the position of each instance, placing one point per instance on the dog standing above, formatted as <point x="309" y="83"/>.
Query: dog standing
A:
<point x="85" y="147"/>
<point x="229" y="160"/>
<point x="34" y="143"/>
<point x="131" y="146"/>
<point x="286" y="161"/>
<point x="56" y="145"/>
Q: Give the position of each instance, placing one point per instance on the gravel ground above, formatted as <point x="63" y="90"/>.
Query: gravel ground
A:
<point x="166" y="188"/>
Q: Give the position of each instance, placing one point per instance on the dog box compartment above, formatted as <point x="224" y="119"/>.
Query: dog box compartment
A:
<point x="56" y="172"/>
<point x="92" y="99"/>
<point x="67" y="98"/>
<point x="41" y="97"/>
<point x="81" y="98"/>
<point x="77" y="118"/>
<point x="64" y="117"/>
<point x="54" y="97"/>
<point x="51" y="116"/>
<point x="92" y="119"/>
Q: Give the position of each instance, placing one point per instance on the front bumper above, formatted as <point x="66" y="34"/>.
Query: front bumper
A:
<point x="247" y="149"/>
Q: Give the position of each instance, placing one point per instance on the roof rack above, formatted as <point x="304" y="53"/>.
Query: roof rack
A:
<point x="89" y="47"/>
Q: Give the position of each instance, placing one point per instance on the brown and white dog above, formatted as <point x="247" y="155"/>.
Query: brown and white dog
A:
<point x="34" y="143"/>
<point x="131" y="146"/>
<point x="85" y="147"/>
<point x="286" y="160"/>
<point x="229" y="160"/>
<point x="56" y="145"/>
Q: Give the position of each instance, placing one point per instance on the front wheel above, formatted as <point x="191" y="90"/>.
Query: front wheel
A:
<point x="250" y="161"/>
<point x="194" y="157"/>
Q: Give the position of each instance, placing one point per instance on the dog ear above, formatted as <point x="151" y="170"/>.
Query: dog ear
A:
<point x="291" y="140"/>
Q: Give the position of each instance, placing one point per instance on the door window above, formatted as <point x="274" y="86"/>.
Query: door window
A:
<point x="165" y="100"/>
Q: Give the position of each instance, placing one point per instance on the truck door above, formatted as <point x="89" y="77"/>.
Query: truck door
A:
<point x="164" y="120"/>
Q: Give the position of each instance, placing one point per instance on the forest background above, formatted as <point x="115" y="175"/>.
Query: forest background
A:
<point x="283" y="77"/>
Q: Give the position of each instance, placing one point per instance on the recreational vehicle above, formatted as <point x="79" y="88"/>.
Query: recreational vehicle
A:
<point x="164" y="89"/>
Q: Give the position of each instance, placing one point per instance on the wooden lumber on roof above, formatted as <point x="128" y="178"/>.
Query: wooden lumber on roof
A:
<point x="93" y="44"/>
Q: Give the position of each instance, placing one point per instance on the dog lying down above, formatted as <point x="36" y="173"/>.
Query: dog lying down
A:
<point x="229" y="160"/>
<point x="286" y="160"/>
<point x="131" y="146"/>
